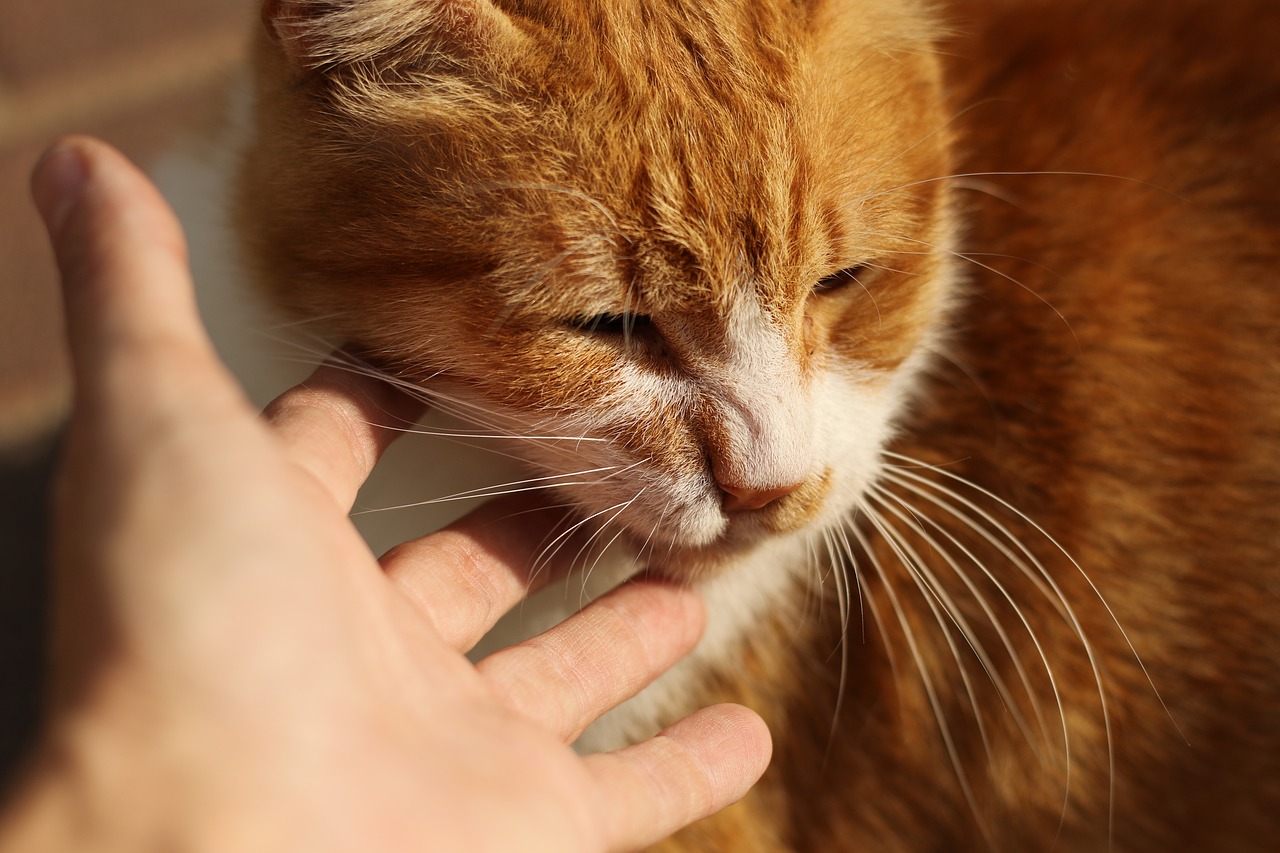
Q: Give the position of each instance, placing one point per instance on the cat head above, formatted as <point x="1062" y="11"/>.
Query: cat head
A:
<point x="704" y="240"/>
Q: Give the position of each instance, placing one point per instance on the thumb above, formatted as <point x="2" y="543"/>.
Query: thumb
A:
<point x="130" y="304"/>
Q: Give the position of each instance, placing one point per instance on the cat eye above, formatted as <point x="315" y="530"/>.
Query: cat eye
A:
<point x="840" y="280"/>
<point x="619" y="325"/>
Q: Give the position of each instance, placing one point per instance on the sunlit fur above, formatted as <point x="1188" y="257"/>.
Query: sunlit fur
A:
<point x="986" y="289"/>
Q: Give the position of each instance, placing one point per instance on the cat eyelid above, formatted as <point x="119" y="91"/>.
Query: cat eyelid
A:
<point x="611" y="324"/>
<point x="838" y="280"/>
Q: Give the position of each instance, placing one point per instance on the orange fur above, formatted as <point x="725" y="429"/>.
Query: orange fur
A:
<point x="456" y="184"/>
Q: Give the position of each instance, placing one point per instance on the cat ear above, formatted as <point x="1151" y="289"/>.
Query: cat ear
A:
<point x="326" y="33"/>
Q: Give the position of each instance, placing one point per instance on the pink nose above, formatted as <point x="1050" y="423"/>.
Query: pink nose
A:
<point x="742" y="500"/>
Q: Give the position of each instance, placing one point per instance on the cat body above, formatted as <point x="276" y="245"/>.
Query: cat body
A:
<point x="940" y="347"/>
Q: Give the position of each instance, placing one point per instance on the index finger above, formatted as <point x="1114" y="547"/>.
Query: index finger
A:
<point x="337" y="424"/>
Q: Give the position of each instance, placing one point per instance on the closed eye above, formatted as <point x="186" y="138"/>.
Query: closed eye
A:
<point x="619" y="325"/>
<point x="840" y="280"/>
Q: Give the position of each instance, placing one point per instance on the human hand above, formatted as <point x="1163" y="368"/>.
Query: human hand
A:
<point x="236" y="671"/>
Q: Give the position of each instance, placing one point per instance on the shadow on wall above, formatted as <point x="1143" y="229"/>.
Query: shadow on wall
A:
<point x="24" y="484"/>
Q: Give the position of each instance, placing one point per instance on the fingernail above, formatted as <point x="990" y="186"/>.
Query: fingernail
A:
<point x="56" y="184"/>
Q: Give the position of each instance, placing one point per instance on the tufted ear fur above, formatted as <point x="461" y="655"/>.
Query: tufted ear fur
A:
<point x="321" y="34"/>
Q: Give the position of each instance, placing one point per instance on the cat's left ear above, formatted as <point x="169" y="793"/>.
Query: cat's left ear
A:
<point x="320" y="33"/>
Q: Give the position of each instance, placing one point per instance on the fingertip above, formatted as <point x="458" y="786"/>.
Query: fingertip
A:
<point x="79" y="180"/>
<point x="691" y="770"/>
<point x="683" y="614"/>
<point x="57" y="182"/>
<point x="117" y="242"/>
<point x="736" y="742"/>
<point x="129" y="303"/>
<point x="339" y="421"/>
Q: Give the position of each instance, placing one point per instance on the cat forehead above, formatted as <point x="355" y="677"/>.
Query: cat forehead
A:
<point x="666" y="150"/>
<point x="603" y="276"/>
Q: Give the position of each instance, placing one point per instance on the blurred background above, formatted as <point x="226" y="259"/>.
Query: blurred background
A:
<point x="153" y="77"/>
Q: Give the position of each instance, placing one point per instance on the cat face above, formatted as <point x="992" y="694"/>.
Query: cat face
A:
<point x="694" y="252"/>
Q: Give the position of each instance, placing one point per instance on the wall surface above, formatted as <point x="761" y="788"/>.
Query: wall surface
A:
<point x="135" y="72"/>
<point x="141" y="74"/>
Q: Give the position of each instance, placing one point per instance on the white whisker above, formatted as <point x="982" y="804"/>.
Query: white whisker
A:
<point x="1014" y="174"/>
<point x="469" y="434"/>
<point x="940" y="604"/>
<point x="971" y="258"/>
<point x="930" y="691"/>
<point x="485" y="492"/>
<point x="915" y="522"/>
<point x="1058" y="595"/>
<point x="586" y="575"/>
<point x="549" y="552"/>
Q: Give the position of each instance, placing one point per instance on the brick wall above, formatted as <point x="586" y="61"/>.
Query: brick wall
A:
<point x="135" y="72"/>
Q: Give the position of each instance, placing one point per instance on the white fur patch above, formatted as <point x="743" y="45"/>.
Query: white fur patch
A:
<point x="763" y="404"/>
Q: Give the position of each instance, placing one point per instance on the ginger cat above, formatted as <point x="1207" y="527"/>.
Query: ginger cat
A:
<point x="938" y="343"/>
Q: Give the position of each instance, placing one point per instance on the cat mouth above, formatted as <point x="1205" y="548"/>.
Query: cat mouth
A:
<point x="685" y="564"/>
<point x="668" y="554"/>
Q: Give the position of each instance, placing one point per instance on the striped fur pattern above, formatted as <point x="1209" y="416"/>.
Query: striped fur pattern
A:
<point x="936" y="343"/>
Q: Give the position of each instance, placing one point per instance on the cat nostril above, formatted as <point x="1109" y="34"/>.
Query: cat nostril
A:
<point x="743" y="500"/>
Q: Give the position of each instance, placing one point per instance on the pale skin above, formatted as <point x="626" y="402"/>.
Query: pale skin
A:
<point x="235" y="671"/>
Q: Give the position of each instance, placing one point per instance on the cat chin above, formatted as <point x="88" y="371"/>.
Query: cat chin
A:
<point x="692" y="565"/>
<point x="743" y="540"/>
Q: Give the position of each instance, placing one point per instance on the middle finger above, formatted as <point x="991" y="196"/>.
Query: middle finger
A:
<point x="568" y="676"/>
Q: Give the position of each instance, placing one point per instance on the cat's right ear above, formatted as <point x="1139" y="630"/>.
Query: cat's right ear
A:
<point x="316" y="34"/>
<point x="283" y="20"/>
